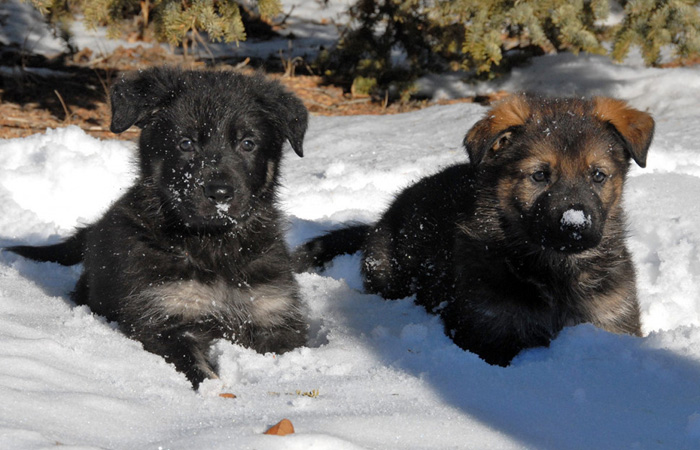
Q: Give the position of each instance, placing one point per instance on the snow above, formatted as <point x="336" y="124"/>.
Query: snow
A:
<point x="23" y="25"/>
<point x="575" y="217"/>
<point x="386" y="375"/>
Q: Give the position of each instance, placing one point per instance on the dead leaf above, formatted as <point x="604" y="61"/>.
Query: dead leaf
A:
<point x="227" y="395"/>
<point x="282" y="428"/>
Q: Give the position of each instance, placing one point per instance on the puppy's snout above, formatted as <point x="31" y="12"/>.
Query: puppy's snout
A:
<point x="567" y="226"/>
<point x="218" y="192"/>
<point x="579" y="228"/>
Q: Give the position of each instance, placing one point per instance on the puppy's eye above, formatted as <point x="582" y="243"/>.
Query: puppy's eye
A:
<point x="539" y="177"/>
<point x="598" y="176"/>
<point x="248" y="145"/>
<point x="186" y="145"/>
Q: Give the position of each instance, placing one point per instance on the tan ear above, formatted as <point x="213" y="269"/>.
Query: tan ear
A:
<point x="636" y="128"/>
<point x="510" y="112"/>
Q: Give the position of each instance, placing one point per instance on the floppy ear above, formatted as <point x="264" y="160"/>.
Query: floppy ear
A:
<point x="139" y="94"/>
<point x="487" y="133"/>
<point x="635" y="128"/>
<point x="294" y="119"/>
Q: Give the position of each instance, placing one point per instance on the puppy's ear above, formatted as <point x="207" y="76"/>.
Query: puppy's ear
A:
<point x="635" y="128"/>
<point x="137" y="95"/>
<point x="493" y="130"/>
<point x="294" y="119"/>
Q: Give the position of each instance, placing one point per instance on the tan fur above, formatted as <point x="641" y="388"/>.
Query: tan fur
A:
<point x="265" y="305"/>
<point x="635" y="126"/>
<point x="514" y="110"/>
<point x="605" y="311"/>
<point x="270" y="176"/>
<point x="269" y="305"/>
<point x="188" y="299"/>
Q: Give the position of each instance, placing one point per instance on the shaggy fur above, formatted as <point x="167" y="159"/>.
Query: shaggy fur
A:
<point x="194" y="251"/>
<point x="525" y="239"/>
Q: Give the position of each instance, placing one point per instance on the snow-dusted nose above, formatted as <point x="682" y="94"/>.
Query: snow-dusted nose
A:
<point x="219" y="192"/>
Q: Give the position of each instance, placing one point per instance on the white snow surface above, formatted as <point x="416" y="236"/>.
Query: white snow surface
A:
<point x="386" y="375"/>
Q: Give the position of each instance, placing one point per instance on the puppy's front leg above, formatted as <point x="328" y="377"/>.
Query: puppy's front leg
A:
<point x="186" y="349"/>
<point x="175" y="320"/>
<point x="276" y="318"/>
<point x="279" y="339"/>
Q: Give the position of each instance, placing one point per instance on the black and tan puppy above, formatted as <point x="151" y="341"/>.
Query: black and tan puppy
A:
<point x="194" y="251"/>
<point x="525" y="239"/>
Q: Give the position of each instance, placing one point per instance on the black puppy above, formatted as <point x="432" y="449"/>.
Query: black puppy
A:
<point x="526" y="238"/>
<point x="194" y="251"/>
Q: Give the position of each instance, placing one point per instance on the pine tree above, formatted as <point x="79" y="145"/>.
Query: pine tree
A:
<point x="493" y="28"/>
<point x="476" y="35"/>
<point x="653" y="24"/>
<point x="363" y="56"/>
<point x="487" y="37"/>
<point x="173" y="20"/>
<point x="483" y="37"/>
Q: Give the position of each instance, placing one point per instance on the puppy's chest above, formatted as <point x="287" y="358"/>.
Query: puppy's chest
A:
<point x="207" y="279"/>
<point x="549" y="290"/>
<point x="192" y="300"/>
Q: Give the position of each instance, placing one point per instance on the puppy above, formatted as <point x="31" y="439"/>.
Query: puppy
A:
<point x="194" y="251"/>
<point x="525" y="239"/>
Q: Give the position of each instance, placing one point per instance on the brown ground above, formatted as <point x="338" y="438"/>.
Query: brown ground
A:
<point x="31" y="102"/>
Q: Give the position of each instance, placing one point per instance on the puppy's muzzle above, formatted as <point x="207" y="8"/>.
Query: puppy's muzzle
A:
<point x="219" y="192"/>
<point x="579" y="228"/>
<point x="567" y="226"/>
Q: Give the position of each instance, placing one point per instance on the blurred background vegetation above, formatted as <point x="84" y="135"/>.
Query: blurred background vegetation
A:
<point x="387" y="44"/>
<point x="175" y="21"/>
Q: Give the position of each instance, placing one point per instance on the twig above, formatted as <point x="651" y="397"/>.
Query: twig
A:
<point x="242" y="64"/>
<point x="319" y="90"/>
<point x="65" y="107"/>
<point x="320" y="105"/>
<point x="91" y="129"/>
<point x="286" y="16"/>
<point x="96" y="61"/>
<point x="358" y="100"/>
<point x="105" y="88"/>
<point x="203" y="43"/>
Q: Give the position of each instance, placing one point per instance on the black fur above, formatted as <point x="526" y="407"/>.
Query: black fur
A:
<point x="485" y="244"/>
<point x="67" y="253"/>
<point x="194" y="251"/>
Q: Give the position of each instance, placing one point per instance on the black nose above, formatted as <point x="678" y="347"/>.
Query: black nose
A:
<point x="218" y="193"/>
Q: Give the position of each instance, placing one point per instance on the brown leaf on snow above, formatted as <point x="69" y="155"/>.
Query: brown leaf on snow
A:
<point x="282" y="428"/>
